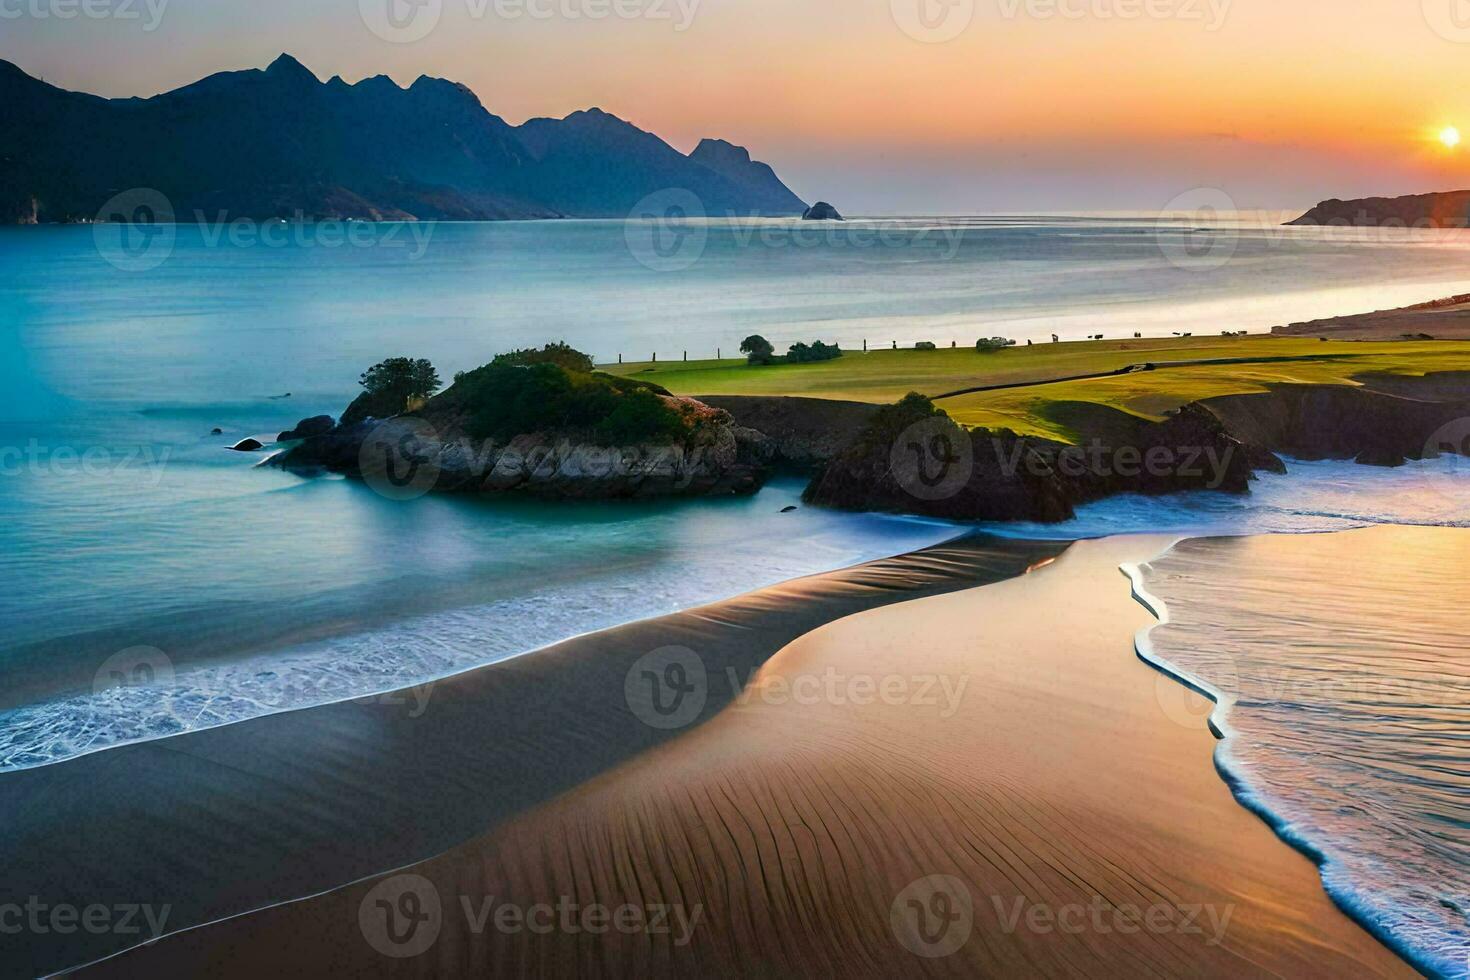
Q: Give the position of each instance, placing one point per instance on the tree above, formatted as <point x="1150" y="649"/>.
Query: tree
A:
<point x="401" y="378"/>
<point x="758" y="349"/>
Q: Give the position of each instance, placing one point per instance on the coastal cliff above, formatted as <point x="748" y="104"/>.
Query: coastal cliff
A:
<point x="911" y="458"/>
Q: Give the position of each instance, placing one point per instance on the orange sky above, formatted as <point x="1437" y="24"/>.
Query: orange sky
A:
<point x="1035" y="101"/>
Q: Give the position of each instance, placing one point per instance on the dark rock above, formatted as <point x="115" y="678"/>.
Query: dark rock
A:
<point x="319" y="425"/>
<point x="1381" y="457"/>
<point x="1341" y="422"/>
<point x="369" y="405"/>
<point x="822" y="211"/>
<point x="216" y="432"/>
<point x="247" y="446"/>
<point x="912" y="459"/>
<point x="804" y="432"/>
<point x="722" y="458"/>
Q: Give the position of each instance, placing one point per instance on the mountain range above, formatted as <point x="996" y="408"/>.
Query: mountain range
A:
<point x="279" y="142"/>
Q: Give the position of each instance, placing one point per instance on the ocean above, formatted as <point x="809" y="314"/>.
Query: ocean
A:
<point x="152" y="582"/>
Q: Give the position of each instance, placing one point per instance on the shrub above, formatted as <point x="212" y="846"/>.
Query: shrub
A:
<point x="561" y="354"/>
<point x="891" y="420"/>
<point x="817" y="351"/>
<point x="504" y="400"/>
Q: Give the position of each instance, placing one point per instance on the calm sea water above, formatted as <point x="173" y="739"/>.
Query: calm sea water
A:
<point x="133" y="546"/>
<point x="1343" y="671"/>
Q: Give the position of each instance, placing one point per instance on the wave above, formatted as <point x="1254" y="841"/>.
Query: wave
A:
<point x="412" y="654"/>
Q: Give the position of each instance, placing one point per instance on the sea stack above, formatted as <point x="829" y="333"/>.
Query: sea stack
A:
<point x="822" y="211"/>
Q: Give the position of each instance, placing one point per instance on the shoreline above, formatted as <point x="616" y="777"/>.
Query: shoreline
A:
<point x="1232" y="771"/>
<point x="229" y="820"/>
<point x="793" y="825"/>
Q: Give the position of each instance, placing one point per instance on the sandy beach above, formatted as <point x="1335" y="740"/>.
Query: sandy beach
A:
<point x="981" y="782"/>
<point x="216" y="823"/>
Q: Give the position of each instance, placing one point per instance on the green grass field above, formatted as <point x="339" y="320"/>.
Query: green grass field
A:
<point x="886" y="376"/>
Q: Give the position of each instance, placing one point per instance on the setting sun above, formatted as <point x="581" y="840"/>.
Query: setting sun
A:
<point x="1450" y="137"/>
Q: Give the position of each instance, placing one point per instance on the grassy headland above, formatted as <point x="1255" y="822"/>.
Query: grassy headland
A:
<point x="1242" y="364"/>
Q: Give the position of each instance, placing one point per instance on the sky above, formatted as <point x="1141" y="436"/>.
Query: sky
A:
<point x="881" y="106"/>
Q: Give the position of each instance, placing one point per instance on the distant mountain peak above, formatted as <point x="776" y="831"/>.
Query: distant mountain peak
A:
<point x="722" y="150"/>
<point x="288" y="67"/>
<point x="378" y="83"/>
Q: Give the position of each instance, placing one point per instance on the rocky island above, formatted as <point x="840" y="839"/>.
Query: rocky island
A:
<point x="541" y="423"/>
<point x="822" y="211"/>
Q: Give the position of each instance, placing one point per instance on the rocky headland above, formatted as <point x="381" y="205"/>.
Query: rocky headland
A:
<point x="1447" y="209"/>
<point x="510" y="428"/>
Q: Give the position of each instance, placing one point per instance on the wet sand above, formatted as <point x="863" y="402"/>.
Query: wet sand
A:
<point x="1063" y="792"/>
